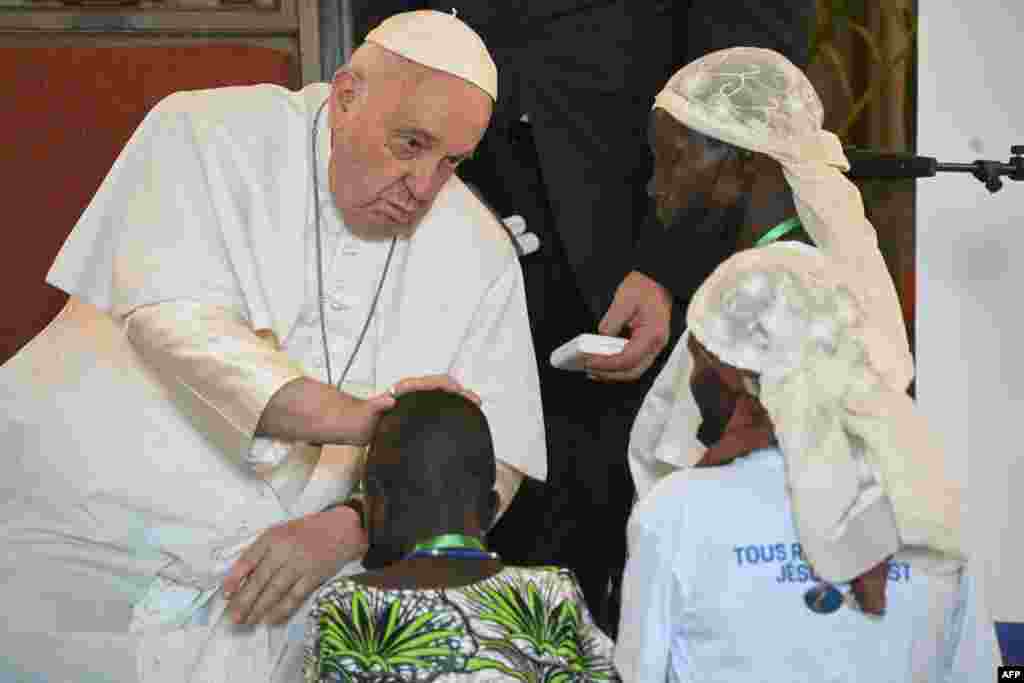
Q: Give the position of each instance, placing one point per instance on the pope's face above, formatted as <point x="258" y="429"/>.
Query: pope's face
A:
<point x="685" y="168"/>
<point x="395" y="145"/>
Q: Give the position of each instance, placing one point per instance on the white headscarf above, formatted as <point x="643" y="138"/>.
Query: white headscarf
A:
<point x="757" y="100"/>
<point x="864" y="475"/>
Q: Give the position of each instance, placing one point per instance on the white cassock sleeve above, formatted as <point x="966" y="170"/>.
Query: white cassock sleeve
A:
<point x="651" y="596"/>
<point x="496" y="360"/>
<point x="199" y="206"/>
<point x="184" y="242"/>
<point x="153" y="231"/>
<point x="214" y="354"/>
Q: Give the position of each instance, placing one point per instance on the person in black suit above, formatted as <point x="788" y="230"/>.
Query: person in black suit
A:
<point x="567" y="151"/>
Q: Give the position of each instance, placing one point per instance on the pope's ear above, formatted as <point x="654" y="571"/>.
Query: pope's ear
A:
<point x="347" y="90"/>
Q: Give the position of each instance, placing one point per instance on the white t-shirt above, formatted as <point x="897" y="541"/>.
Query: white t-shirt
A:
<point x="715" y="590"/>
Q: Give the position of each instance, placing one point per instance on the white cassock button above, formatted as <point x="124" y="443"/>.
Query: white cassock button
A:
<point x="341" y="302"/>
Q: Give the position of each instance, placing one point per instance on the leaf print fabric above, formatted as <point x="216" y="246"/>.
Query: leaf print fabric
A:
<point x="528" y="625"/>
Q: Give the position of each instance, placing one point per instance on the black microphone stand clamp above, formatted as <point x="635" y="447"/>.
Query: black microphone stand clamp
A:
<point x="990" y="172"/>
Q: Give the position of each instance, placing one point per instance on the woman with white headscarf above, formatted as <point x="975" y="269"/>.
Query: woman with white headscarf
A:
<point x="810" y="365"/>
<point x="725" y="126"/>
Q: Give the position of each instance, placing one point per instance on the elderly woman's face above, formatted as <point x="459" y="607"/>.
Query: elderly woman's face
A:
<point x="685" y="167"/>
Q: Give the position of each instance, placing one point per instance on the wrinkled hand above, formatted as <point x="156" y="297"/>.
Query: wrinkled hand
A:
<point x="645" y="307"/>
<point x="275" y="575"/>
<point x="368" y="411"/>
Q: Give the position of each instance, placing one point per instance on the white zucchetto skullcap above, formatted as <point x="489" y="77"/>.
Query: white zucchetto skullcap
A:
<point x="440" y="41"/>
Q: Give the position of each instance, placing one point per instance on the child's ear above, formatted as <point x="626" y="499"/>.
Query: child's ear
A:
<point x="375" y="511"/>
<point x="491" y="515"/>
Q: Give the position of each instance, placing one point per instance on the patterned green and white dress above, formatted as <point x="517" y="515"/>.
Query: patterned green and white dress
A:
<point x="522" y="624"/>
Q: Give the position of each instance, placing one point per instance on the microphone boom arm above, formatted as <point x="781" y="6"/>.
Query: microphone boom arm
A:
<point x="865" y="164"/>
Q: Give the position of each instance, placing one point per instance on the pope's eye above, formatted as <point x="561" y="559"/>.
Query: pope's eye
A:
<point x="408" y="147"/>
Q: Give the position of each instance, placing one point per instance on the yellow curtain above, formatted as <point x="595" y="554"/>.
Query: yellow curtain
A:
<point x="863" y="66"/>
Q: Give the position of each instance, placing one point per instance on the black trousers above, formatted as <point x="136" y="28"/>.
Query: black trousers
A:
<point x="577" y="518"/>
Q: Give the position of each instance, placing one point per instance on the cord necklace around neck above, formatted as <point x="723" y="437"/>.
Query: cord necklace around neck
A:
<point x="456" y="546"/>
<point x="779" y="230"/>
<point x="320" y="266"/>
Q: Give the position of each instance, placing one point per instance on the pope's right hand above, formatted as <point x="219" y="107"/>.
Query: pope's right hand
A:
<point x="368" y="411"/>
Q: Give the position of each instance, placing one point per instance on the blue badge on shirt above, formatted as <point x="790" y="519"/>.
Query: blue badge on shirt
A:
<point x="823" y="599"/>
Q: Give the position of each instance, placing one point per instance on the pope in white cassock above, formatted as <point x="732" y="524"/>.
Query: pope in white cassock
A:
<point x="256" y="278"/>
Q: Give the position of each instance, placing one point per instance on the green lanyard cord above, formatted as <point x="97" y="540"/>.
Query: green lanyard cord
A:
<point x="451" y="541"/>
<point x="778" y="231"/>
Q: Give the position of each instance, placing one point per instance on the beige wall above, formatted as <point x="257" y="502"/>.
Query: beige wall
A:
<point x="970" y="318"/>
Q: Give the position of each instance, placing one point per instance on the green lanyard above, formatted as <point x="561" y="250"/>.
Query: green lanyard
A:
<point x="446" y="541"/>
<point x="778" y="231"/>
